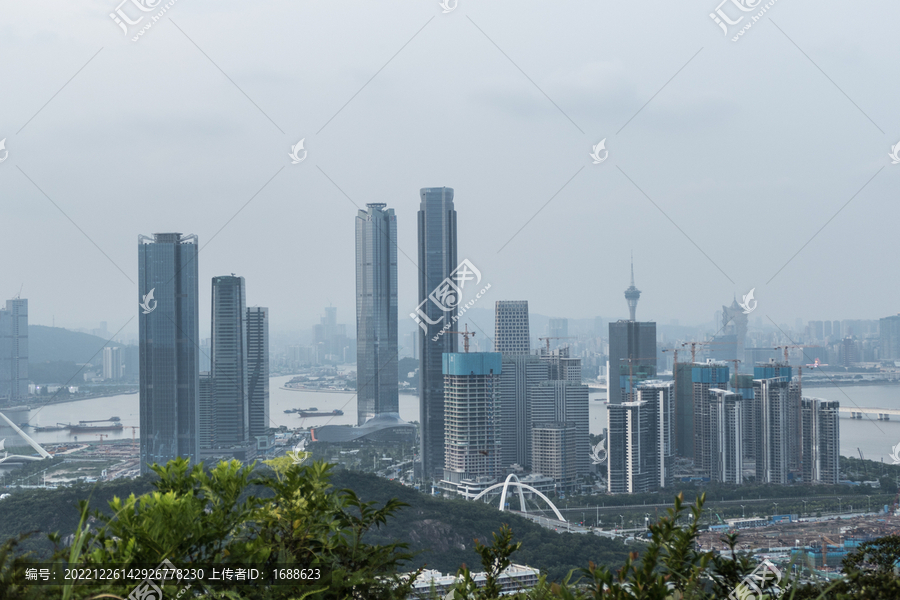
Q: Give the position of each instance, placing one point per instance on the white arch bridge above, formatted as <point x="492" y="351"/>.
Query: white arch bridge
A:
<point x="14" y="458"/>
<point x="513" y="480"/>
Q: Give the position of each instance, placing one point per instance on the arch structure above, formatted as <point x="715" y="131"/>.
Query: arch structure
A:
<point x="512" y="479"/>
<point x="10" y="458"/>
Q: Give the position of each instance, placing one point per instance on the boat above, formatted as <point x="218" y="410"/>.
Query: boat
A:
<point x="57" y="427"/>
<point x="84" y="428"/>
<point x="314" y="413"/>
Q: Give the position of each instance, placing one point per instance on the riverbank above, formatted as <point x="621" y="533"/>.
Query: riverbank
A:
<point x="306" y="389"/>
<point x="33" y="405"/>
<point x="851" y="383"/>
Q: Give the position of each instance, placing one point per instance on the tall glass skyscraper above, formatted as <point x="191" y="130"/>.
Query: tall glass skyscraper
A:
<point x="14" y="351"/>
<point x="169" y="353"/>
<point x="229" y="359"/>
<point x="376" y="312"/>
<point x="258" y="369"/>
<point x="437" y="260"/>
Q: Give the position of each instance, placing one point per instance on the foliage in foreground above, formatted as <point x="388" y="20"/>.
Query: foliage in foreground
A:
<point x="195" y="518"/>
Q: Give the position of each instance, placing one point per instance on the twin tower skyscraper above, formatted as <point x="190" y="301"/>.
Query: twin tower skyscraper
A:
<point x="377" y="310"/>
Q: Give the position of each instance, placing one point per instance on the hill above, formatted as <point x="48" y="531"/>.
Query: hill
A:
<point x="440" y="531"/>
<point x="55" y="344"/>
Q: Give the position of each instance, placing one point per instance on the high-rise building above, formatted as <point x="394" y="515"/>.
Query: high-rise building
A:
<point x="471" y="401"/>
<point x="633" y="446"/>
<point x="632" y="357"/>
<point x="511" y="333"/>
<point x="207" y="421"/>
<point x="826" y="330"/>
<point x="703" y="378"/>
<point x="376" y="313"/>
<point x="729" y="345"/>
<point x="330" y="338"/>
<point x="229" y="359"/>
<point x="727" y="436"/>
<point x="519" y="375"/>
<point x="821" y="440"/>
<point x="554" y="447"/>
<point x="889" y="329"/>
<point x="558" y="328"/>
<point x="14" y="350"/>
<point x="112" y="363"/>
<point x="684" y="409"/>
<point x="836" y="329"/>
<point x="659" y="397"/>
<point x="169" y="353"/>
<point x="258" y="369"/>
<point x="771" y="410"/>
<point x="437" y="260"/>
<point x="563" y="398"/>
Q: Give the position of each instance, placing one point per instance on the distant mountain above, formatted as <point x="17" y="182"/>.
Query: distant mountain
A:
<point x="57" y="344"/>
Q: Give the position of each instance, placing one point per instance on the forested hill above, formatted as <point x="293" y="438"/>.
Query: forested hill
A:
<point x="441" y="531"/>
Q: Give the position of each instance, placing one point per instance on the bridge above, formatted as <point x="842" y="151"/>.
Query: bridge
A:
<point x="883" y="414"/>
<point x="15" y="458"/>
<point x="513" y="480"/>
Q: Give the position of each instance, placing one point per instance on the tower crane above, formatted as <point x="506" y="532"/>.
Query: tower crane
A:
<point x="466" y="335"/>
<point x="555" y="338"/>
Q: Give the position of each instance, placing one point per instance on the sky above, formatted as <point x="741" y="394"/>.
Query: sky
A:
<point x="758" y="164"/>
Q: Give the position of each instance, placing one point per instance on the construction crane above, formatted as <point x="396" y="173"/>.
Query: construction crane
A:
<point x="631" y="369"/>
<point x="786" y="348"/>
<point x="133" y="429"/>
<point x="555" y="338"/>
<point x="466" y="334"/>
<point x="693" y="346"/>
<point x="861" y="457"/>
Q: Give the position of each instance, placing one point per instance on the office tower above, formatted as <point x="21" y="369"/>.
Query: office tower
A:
<point x="703" y="378"/>
<point x="112" y="363"/>
<point x="659" y="397"/>
<point x="889" y="329"/>
<point x="563" y="398"/>
<point x="169" y="354"/>
<point x="821" y="440"/>
<point x="258" y="369"/>
<point x="436" y="221"/>
<point x="511" y="333"/>
<point x="729" y="344"/>
<point x="376" y="312"/>
<point x="14" y="350"/>
<point x="727" y="436"/>
<point x="558" y="328"/>
<point x="229" y="359"/>
<point x="520" y="373"/>
<point x="632" y="357"/>
<point x="207" y="419"/>
<point x="471" y="398"/>
<point x="632" y="295"/>
<point x="554" y="453"/>
<point x="632" y="449"/>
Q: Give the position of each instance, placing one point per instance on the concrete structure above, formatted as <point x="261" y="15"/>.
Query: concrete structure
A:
<point x="660" y="397"/>
<point x="471" y="402"/>
<point x="889" y="330"/>
<point x="113" y="365"/>
<point x="632" y="295"/>
<point x="382" y="428"/>
<point x="726" y="414"/>
<point x="376" y="312"/>
<point x="564" y="398"/>
<point x="330" y="339"/>
<point x="14" y="351"/>
<point x="258" y="370"/>
<point x="554" y="453"/>
<point x="520" y="485"/>
<point x="821" y="440"/>
<point x="519" y="375"/>
<point x="206" y="429"/>
<point x="169" y="308"/>
<point x="703" y="378"/>
<point x="632" y="448"/>
<point x="229" y="359"/>
<point x="632" y="357"/>
<point x="512" y="336"/>
<point x="771" y="410"/>
<point x="437" y="260"/>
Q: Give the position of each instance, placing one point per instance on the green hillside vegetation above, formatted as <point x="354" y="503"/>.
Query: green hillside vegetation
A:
<point x="55" y="344"/>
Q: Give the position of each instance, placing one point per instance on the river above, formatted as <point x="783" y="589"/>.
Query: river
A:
<point x="874" y="438"/>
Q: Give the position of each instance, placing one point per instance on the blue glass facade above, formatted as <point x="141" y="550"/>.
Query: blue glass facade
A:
<point x="169" y="350"/>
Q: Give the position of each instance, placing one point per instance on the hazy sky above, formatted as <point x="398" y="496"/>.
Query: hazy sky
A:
<point x="743" y="153"/>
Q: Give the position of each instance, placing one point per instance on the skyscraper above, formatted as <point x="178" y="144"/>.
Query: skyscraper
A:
<point x="821" y="440"/>
<point x="258" y="369"/>
<point x="112" y="363"/>
<point x="563" y="398"/>
<point x="771" y="408"/>
<point x="660" y="397"/>
<point x="14" y="350"/>
<point x="169" y="353"/>
<point x="437" y="259"/>
<point x="206" y="428"/>
<point x="632" y="357"/>
<point x="511" y="333"/>
<point x="889" y="330"/>
<point x="711" y="375"/>
<point x="726" y="436"/>
<point x="376" y="312"/>
<point x="554" y="453"/>
<point x="229" y="359"/>
<point x="471" y="398"/>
